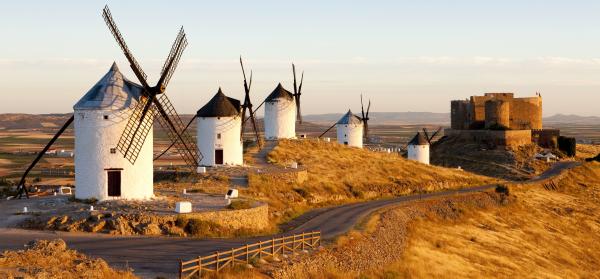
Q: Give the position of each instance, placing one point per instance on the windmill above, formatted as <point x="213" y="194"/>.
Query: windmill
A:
<point x="430" y="138"/>
<point x="247" y="105"/>
<point x="297" y="93"/>
<point x="154" y="102"/>
<point x="365" y="117"/>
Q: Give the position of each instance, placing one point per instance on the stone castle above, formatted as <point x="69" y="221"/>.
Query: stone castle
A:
<point x="500" y="119"/>
<point x="497" y="111"/>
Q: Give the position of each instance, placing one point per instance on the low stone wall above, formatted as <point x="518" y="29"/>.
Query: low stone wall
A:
<point x="503" y="138"/>
<point x="256" y="218"/>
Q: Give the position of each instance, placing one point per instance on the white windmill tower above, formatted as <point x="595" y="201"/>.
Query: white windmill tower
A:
<point x="350" y="130"/>
<point x="101" y="115"/>
<point x="219" y="126"/>
<point x="418" y="149"/>
<point x="282" y="110"/>
<point x="280" y="114"/>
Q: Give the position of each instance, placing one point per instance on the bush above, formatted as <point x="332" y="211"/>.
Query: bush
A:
<point x="239" y="204"/>
<point x="199" y="227"/>
<point x="503" y="189"/>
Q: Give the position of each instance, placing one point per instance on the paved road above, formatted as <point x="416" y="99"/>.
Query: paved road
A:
<point x="154" y="256"/>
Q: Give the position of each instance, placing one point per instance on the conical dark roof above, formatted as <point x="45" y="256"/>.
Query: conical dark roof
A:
<point x="419" y="139"/>
<point x="220" y="106"/>
<point x="350" y="118"/>
<point x="279" y="93"/>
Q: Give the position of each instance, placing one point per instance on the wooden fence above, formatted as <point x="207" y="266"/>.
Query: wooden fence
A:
<point x="244" y="254"/>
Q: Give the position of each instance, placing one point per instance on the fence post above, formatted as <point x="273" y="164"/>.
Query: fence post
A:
<point x="294" y="244"/>
<point x="199" y="267"/>
<point x="303" y="242"/>
<point x="247" y="256"/>
<point x="232" y="257"/>
<point x="180" y="268"/>
<point x="260" y="250"/>
<point x="217" y="261"/>
<point x="273" y="246"/>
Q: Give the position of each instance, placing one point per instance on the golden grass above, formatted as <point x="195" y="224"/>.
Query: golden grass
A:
<point x="51" y="259"/>
<point x="341" y="174"/>
<point x="548" y="234"/>
<point x="585" y="151"/>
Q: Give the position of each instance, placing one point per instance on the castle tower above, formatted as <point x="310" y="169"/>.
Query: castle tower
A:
<point x="280" y="114"/>
<point x="497" y="114"/>
<point x="418" y="149"/>
<point x="219" y="130"/>
<point x="350" y="130"/>
<point x="101" y="172"/>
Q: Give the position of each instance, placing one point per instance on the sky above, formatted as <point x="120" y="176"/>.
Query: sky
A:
<point x="403" y="55"/>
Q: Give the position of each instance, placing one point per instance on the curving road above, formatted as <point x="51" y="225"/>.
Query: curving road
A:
<point x="158" y="256"/>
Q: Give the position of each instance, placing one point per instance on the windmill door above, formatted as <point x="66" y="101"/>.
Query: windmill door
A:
<point x="114" y="183"/>
<point x="219" y="156"/>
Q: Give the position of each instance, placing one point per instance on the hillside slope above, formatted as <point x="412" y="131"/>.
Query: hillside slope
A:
<point x="340" y="174"/>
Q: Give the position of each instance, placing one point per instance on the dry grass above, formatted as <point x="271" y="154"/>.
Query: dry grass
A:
<point x="585" y="151"/>
<point x="339" y="174"/>
<point x="52" y="259"/>
<point x="545" y="233"/>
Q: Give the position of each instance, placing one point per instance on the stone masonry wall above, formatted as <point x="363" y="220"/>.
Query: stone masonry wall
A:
<point x="502" y="138"/>
<point x="256" y="218"/>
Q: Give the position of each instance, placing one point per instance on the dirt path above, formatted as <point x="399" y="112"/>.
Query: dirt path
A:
<point x="158" y="256"/>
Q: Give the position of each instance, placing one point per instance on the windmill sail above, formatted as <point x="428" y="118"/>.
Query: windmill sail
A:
<point x="141" y="121"/>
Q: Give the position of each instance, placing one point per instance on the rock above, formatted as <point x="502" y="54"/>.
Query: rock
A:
<point x="249" y="266"/>
<point x="276" y="259"/>
<point x="151" y="229"/>
<point x="175" y="231"/>
<point x="94" y="227"/>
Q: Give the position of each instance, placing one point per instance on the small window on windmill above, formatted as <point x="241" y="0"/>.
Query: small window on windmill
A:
<point x="219" y="136"/>
<point x="106" y="117"/>
<point x="113" y="151"/>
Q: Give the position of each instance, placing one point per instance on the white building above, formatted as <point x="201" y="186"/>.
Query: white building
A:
<point x="101" y="171"/>
<point x="219" y="131"/>
<point x="350" y="130"/>
<point x="418" y="149"/>
<point x="280" y="114"/>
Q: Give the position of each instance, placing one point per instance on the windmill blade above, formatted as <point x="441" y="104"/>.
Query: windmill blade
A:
<point x="172" y="60"/>
<point x="173" y="142"/>
<point x="298" y="107"/>
<point x="426" y="134"/>
<point x="368" y="108"/>
<point x="21" y="188"/>
<point x="255" y="110"/>
<point x="435" y="134"/>
<point x="138" y="126"/>
<point x="327" y="130"/>
<point x="171" y="122"/>
<point x="135" y="66"/>
<point x="362" y="107"/>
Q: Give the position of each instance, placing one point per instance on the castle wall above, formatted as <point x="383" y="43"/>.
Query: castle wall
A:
<point x="522" y="113"/>
<point x="502" y="138"/>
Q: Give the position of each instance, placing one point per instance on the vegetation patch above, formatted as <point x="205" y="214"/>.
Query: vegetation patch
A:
<point x="52" y="259"/>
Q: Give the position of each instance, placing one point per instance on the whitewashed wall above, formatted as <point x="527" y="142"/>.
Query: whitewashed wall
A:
<point x="280" y="119"/>
<point x="419" y="153"/>
<point x="351" y="133"/>
<point x="94" y="137"/>
<point x="229" y="128"/>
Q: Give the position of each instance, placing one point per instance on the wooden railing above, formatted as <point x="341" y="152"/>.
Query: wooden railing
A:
<point x="244" y="254"/>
